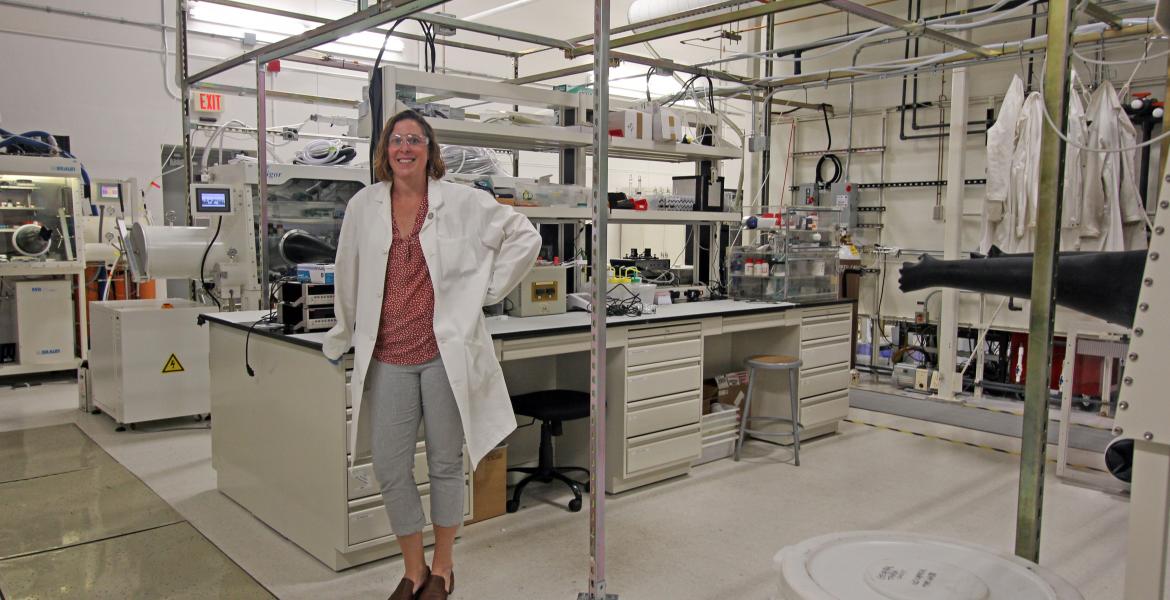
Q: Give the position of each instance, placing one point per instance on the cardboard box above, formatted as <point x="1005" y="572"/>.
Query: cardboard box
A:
<point x="729" y="389"/>
<point x="668" y="126"/>
<point x="490" y="482"/>
<point x="631" y="124"/>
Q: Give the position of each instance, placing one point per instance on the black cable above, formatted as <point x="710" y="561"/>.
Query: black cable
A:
<point x="649" y="72"/>
<point x="828" y="132"/>
<point x="710" y="94"/>
<point x="624" y="307"/>
<point x="426" y="47"/>
<point x="375" y="93"/>
<point x="836" y="162"/>
<point x="269" y="318"/>
<point x="203" y="263"/>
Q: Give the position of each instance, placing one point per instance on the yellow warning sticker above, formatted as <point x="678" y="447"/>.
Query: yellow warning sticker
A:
<point x="173" y="365"/>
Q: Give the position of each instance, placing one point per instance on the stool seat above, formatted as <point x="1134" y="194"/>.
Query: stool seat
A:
<point x="552" y="405"/>
<point x="774" y="361"/>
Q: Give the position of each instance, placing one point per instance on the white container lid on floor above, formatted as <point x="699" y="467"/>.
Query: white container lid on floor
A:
<point x="885" y="565"/>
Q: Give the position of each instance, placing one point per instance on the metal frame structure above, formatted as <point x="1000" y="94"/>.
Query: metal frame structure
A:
<point x="602" y="48"/>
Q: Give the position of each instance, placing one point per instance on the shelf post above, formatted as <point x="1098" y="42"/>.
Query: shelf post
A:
<point x="597" y="353"/>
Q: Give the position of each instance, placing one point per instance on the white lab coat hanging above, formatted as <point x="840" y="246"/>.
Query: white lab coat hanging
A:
<point x="1072" y="201"/>
<point x="476" y="251"/>
<point x="1001" y="136"/>
<point x="1024" y="190"/>
<point x="1112" y="215"/>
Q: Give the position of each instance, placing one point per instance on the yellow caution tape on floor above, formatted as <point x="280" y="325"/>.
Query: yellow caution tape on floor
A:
<point x="1003" y="411"/>
<point x="969" y="444"/>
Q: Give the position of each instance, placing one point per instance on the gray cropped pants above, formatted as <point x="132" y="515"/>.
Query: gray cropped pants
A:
<point x="401" y="396"/>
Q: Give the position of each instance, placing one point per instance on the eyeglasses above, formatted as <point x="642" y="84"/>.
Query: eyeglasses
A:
<point x="408" y="140"/>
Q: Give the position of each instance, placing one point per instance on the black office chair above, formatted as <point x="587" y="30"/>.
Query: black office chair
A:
<point x="551" y="408"/>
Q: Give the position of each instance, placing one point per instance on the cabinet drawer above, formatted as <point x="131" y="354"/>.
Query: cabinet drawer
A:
<point x="821" y="311"/>
<point x="362" y="481"/>
<point x="368" y="519"/>
<point x="733" y="324"/>
<point x="649" y="384"/>
<point x="348" y="424"/>
<point x="349" y="394"/>
<point x="670" y="350"/>
<point x="815" y="382"/>
<point x="662" y="449"/>
<point x="658" y="414"/>
<point x="828" y="351"/>
<point x="635" y="333"/>
<point x="815" y="328"/>
<point x="831" y="407"/>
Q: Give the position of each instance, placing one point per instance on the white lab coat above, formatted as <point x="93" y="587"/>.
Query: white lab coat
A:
<point x="1112" y="211"/>
<point x="1000" y="144"/>
<point x="476" y="250"/>
<point x="1072" y="202"/>
<point x="1024" y="190"/>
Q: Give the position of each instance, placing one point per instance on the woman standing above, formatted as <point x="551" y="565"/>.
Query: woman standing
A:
<point x="417" y="260"/>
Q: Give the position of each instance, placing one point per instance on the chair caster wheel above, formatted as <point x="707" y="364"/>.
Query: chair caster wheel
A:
<point x="575" y="505"/>
<point x="96" y="411"/>
<point x="512" y="506"/>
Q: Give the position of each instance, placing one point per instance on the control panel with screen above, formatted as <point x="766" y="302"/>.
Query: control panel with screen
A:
<point x="110" y="191"/>
<point x="211" y="200"/>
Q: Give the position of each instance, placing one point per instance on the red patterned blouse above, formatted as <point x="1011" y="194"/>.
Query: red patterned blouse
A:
<point x="406" y="333"/>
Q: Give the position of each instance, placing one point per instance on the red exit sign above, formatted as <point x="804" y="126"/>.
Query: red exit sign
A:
<point x="211" y="103"/>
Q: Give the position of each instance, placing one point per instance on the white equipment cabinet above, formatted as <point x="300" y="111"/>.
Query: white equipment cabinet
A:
<point x="149" y="360"/>
<point x="44" y="323"/>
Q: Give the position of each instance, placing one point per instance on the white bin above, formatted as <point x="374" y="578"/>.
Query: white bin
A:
<point x="881" y="565"/>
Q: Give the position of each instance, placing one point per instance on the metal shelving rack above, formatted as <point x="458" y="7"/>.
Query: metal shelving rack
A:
<point x="573" y="145"/>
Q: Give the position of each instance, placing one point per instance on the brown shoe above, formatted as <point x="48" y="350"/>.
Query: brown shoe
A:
<point x="405" y="589"/>
<point x="436" y="588"/>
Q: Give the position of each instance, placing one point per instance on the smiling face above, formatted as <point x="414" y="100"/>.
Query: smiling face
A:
<point x="408" y="161"/>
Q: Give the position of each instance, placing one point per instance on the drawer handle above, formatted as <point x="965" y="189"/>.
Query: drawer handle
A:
<point x="662" y="400"/>
<point x="663" y="339"/>
<point x="666" y="365"/>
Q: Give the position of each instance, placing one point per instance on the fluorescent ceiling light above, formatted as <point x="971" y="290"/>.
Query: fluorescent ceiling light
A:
<point x="499" y="9"/>
<point x="629" y="81"/>
<point x="234" y="22"/>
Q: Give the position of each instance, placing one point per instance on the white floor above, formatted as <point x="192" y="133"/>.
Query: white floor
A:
<point x="709" y="535"/>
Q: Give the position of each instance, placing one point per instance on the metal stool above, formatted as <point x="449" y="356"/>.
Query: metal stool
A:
<point x="773" y="363"/>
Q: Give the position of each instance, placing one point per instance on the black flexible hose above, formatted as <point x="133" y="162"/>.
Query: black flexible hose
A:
<point x="828" y="132"/>
<point x="203" y="263"/>
<point x="836" y="162"/>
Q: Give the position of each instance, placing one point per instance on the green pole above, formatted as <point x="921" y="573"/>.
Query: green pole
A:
<point x="1040" y="323"/>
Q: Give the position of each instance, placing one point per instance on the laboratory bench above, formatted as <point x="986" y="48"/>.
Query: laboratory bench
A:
<point x="279" y="445"/>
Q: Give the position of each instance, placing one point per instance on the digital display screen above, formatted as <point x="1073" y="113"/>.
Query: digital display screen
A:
<point x="213" y="200"/>
<point x="109" y="191"/>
